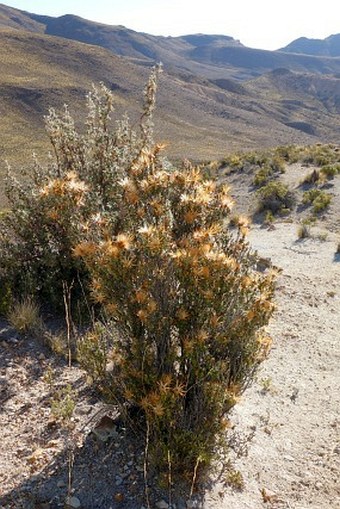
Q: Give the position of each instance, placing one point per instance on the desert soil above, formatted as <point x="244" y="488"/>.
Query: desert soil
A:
<point x="284" y="436"/>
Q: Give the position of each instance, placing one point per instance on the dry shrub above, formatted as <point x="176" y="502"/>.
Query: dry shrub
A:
<point x="180" y="286"/>
<point x="188" y="305"/>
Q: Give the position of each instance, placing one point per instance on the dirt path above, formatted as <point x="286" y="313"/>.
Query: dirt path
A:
<point x="292" y="413"/>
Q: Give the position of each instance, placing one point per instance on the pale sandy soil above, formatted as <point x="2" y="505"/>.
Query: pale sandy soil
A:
<point x="294" y="425"/>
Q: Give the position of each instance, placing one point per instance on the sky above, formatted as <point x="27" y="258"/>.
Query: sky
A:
<point x="265" y="24"/>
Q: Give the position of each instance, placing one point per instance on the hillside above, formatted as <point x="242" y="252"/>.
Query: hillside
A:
<point x="322" y="47"/>
<point x="200" y="119"/>
<point x="213" y="56"/>
<point x="215" y="96"/>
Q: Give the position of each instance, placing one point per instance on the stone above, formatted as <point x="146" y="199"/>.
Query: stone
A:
<point x="181" y="504"/>
<point x="72" y="503"/>
<point x="161" y="504"/>
<point x="105" y="429"/>
<point x="119" y="480"/>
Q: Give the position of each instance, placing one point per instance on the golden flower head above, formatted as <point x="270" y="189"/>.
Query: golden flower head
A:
<point x="123" y="241"/>
<point x="190" y="216"/>
<point x="84" y="249"/>
<point x="182" y="314"/>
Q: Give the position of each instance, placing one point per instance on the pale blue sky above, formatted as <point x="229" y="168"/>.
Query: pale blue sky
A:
<point x="256" y="23"/>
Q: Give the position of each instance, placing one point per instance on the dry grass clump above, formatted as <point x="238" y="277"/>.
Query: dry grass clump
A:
<point x="304" y="231"/>
<point x="24" y="316"/>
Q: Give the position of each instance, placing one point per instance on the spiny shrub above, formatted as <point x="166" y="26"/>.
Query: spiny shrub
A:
<point x="289" y="153"/>
<point x="52" y="206"/>
<point x="188" y="305"/>
<point x="179" y="285"/>
<point x="319" y="154"/>
<point x="274" y="196"/>
<point x="330" y="170"/>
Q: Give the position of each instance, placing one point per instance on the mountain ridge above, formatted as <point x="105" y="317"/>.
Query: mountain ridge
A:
<point x="204" y="109"/>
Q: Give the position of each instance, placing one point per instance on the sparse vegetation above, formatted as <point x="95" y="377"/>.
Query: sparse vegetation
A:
<point x="319" y="199"/>
<point x="274" y="196"/>
<point x="234" y="478"/>
<point x="63" y="403"/>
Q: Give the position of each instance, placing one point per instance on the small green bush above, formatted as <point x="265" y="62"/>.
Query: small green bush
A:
<point x="319" y="199"/>
<point x="262" y="176"/>
<point x="52" y="209"/>
<point x="330" y="170"/>
<point x="92" y="352"/>
<point x="274" y="196"/>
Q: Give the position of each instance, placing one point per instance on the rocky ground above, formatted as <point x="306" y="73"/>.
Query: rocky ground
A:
<point x="284" y="439"/>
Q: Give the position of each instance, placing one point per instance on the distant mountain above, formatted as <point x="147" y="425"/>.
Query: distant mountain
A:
<point x="329" y="47"/>
<point x="212" y="56"/>
<point x="215" y="95"/>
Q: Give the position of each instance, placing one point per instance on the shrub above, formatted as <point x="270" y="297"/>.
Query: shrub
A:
<point x="330" y="170"/>
<point x="188" y="305"/>
<point x="317" y="198"/>
<point x="92" y="352"/>
<point x="289" y="153"/>
<point x="274" y="196"/>
<point x="262" y="176"/>
<point x="179" y="285"/>
<point x="61" y="199"/>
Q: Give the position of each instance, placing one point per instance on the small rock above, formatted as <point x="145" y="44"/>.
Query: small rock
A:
<point x="105" y="429"/>
<point x="61" y="484"/>
<point x="72" y="503"/>
<point x="41" y="357"/>
<point x="119" y="480"/>
<point x="162" y="504"/>
<point x="181" y="504"/>
<point x="192" y="504"/>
